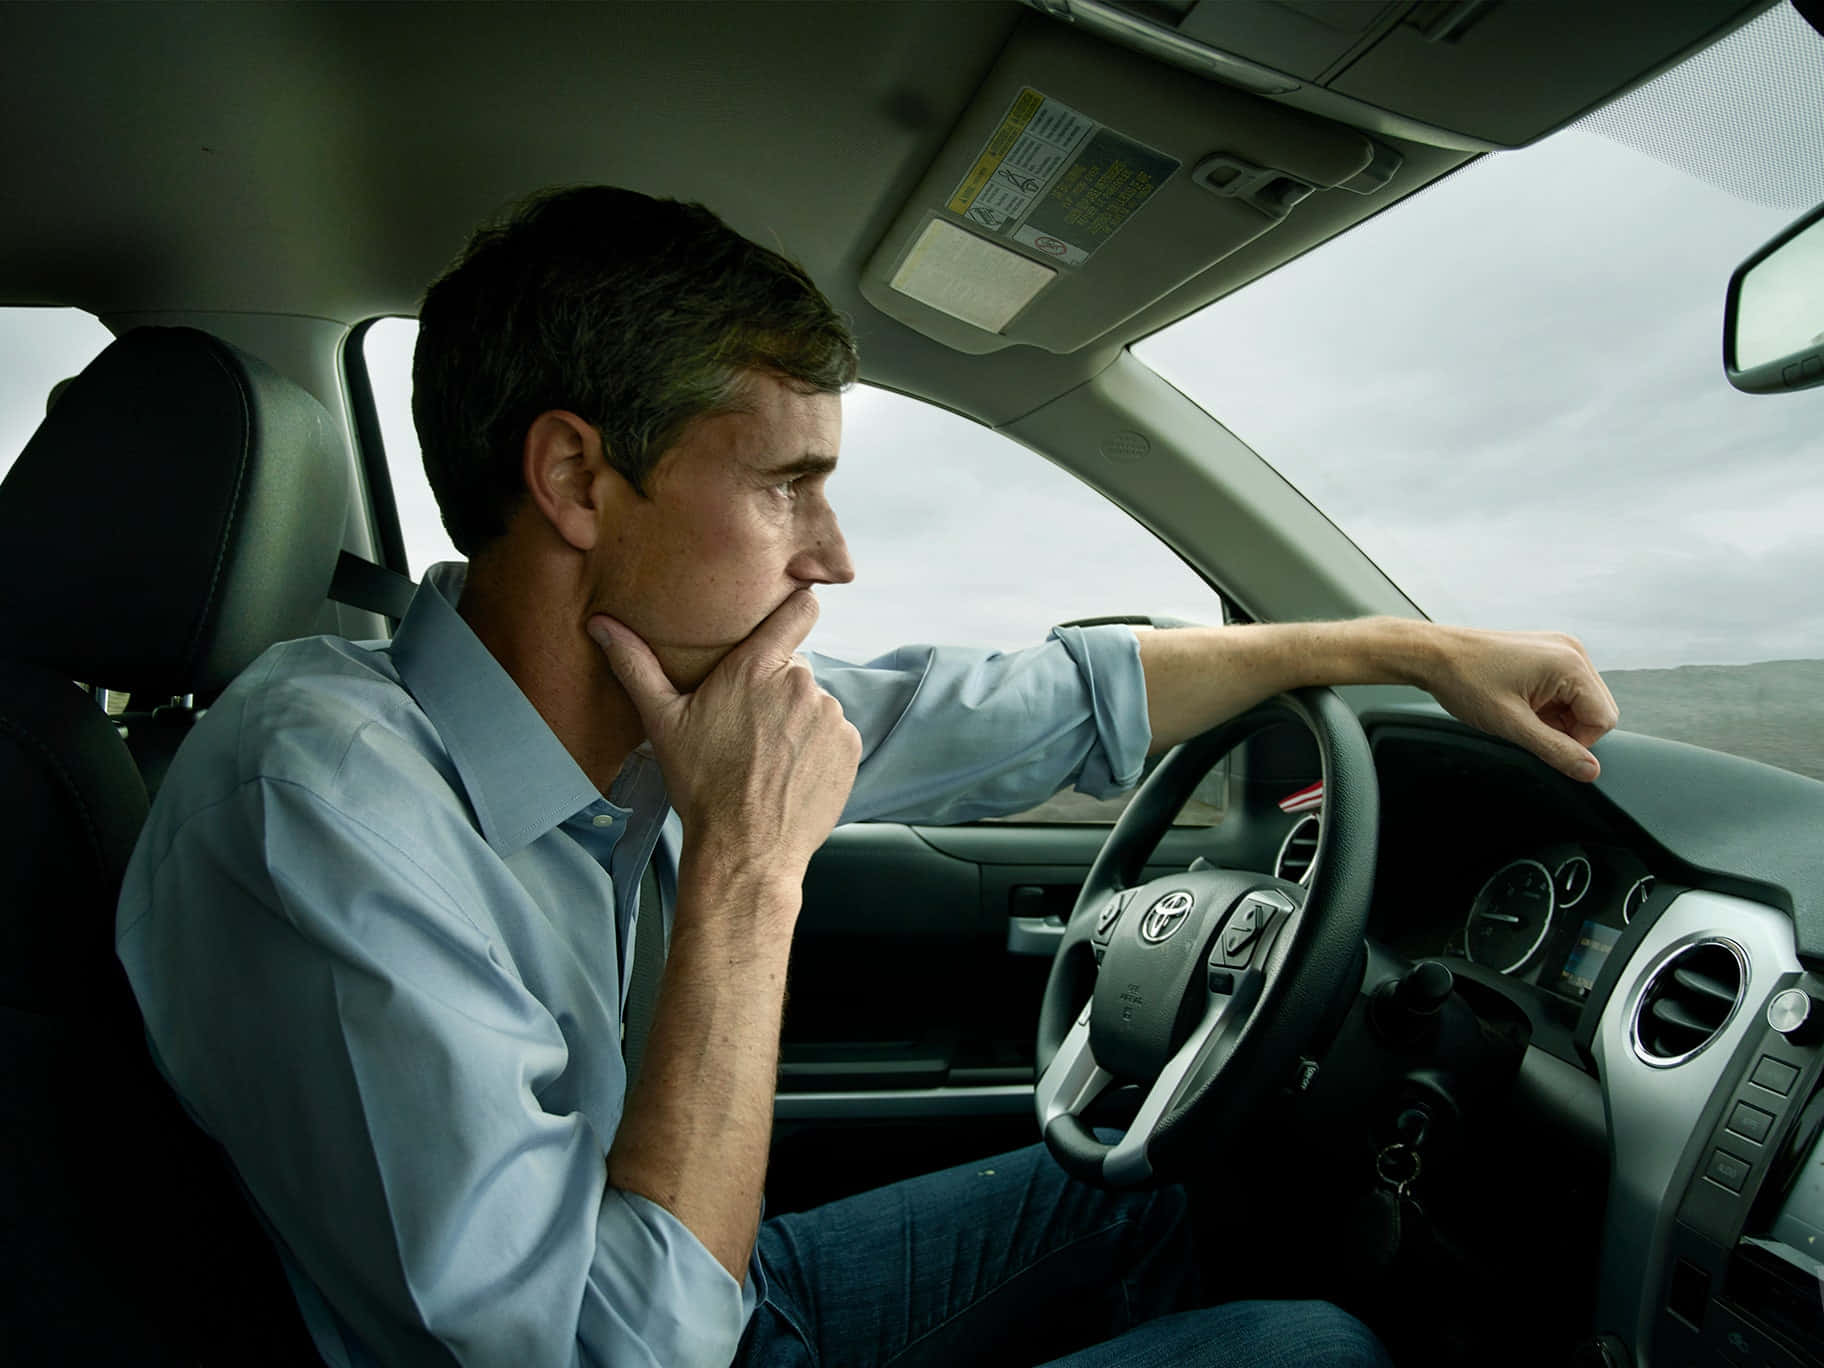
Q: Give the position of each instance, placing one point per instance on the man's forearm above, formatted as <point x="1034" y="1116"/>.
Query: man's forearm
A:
<point x="696" y="1128"/>
<point x="1536" y="689"/>
<point x="1199" y="676"/>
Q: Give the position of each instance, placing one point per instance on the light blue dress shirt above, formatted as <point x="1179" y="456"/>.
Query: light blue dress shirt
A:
<point x="379" y="923"/>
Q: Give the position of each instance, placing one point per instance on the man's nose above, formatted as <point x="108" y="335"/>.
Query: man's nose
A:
<point x="826" y="561"/>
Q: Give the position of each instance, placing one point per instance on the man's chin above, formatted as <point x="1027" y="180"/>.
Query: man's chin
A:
<point x="688" y="666"/>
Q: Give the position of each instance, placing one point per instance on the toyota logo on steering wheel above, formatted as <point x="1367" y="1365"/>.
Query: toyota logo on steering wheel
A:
<point x="1166" y="916"/>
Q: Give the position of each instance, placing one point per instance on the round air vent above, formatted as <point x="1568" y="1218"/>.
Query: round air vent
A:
<point x="1298" y="852"/>
<point x="1689" y="999"/>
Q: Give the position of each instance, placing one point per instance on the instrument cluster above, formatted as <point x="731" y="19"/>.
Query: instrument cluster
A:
<point x="1551" y="916"/>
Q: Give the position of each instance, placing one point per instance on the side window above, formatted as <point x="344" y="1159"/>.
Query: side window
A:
<point x="38" y="349"/>
<point x="386" y="351"/>
<point x="963" y="536"/>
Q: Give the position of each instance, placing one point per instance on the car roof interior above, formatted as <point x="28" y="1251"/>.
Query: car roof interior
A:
<point x="328" y="161"/>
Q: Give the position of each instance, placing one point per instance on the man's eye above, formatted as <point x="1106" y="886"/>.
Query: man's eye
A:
<point x="788" y="488"/>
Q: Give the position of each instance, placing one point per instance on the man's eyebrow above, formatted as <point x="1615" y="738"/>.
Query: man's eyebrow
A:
<point x="811" y="463"/>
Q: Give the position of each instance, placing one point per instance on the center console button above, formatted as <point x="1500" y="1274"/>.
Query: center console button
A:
<point x="1795" y="1015"/>
<point x="1750" y="1121"/>
<point x="1774" y="1075"/>
<point x="1726" y="1169"/>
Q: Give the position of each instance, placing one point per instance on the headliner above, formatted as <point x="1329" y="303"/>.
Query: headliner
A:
<point x="328" y="161"/>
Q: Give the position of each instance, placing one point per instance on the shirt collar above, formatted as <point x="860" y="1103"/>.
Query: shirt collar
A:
<point x="520" y="779"/>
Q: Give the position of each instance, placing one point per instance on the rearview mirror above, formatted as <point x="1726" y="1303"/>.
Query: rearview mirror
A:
<point x="1773" y="315"/>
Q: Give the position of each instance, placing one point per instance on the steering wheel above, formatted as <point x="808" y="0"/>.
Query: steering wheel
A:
<point x="1203" y="987"/>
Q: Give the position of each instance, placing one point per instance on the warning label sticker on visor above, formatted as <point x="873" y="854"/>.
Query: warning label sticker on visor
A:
<point x="1058" y="181"/>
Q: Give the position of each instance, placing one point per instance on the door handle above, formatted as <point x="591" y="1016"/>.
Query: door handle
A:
<point x="1034" y="935"/>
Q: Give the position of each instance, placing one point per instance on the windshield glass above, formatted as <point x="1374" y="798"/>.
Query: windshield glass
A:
<point x="1508" y="391"/>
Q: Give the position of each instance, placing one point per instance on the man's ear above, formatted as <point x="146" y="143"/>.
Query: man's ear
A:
<point x="564" y="467"/>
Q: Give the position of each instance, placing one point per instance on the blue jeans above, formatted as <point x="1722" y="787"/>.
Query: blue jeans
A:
<point x="1010" y="1263"/>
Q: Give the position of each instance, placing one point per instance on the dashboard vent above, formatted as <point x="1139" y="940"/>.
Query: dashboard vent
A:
<point x="1688" y="1001"/>
<point x="1298" y="852"/>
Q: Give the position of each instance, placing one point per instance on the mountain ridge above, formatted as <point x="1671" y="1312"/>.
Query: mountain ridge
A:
<point x="1771" y="711"/>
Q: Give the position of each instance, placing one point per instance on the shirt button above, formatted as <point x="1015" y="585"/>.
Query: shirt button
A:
<point x="604" y="819"/>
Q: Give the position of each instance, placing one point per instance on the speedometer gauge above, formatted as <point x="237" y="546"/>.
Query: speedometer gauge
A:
<point x="1510" y="917"/>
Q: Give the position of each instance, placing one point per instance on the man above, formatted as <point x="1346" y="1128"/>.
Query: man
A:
<point x="381" y="919"/>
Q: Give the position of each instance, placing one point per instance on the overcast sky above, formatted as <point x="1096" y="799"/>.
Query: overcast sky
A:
<point x="1522" y="415"/>
<point x="1507" y="390"/>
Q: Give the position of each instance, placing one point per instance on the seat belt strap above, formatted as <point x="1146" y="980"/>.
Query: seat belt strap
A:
<point x="362" y="584"/>
<point x="643" y="986"/>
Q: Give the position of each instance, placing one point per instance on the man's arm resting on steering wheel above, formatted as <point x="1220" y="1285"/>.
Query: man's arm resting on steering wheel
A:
<point x="1536" y="689"/>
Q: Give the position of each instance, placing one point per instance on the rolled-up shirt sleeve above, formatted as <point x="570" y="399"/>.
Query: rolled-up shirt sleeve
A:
<point x="656" y="1295"/>
<point x="379" y="1071"/>
<point x="953" y="735"/>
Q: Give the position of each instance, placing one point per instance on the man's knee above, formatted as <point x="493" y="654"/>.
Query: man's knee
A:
<point x="1330" y="1336"/>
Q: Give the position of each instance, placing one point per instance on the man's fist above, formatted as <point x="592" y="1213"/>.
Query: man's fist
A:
<point x="1536" y="689"/>
<point x="758" y="759"/>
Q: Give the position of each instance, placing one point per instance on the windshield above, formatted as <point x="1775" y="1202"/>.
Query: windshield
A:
<point x="1508" y="391"/>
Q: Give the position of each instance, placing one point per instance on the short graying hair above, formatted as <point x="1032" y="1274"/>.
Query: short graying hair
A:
<point x="638" y="315"/>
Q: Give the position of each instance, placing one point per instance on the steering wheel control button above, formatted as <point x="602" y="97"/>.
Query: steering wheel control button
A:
<point x="1222" y="981"/>
<point x="1247" y="928"/>
<point x="1106" y="919"/>
<point x="1166" y="916"/>
<point x="1727" y="1171"/>
<point x="1774" y="1075"/>
<point x="1239" y="937"/>
<point x="1750" y="1122"/>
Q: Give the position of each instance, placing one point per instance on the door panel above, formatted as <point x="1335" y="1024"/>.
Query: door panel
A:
<point x="902" y="976"/>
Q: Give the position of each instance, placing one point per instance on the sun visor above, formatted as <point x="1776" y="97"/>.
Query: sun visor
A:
<point x="1083" y="183"/>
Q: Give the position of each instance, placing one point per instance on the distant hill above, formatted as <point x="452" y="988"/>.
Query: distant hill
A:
<point x="1772" y="712"/>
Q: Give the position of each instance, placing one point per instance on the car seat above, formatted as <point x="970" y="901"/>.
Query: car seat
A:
<point x="180" y="509"/>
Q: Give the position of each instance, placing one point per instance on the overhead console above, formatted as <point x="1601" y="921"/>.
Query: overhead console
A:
<point x="1476" y="74"/>
<point x="1079" y="188"/>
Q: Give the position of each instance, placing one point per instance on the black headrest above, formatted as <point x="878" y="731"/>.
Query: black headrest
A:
<point x="179" y="510"/>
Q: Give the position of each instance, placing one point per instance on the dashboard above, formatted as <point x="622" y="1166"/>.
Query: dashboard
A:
<point x="1662" y="931"/>
<point x="1507" y="872"/>
<point x="1652" y="928"/>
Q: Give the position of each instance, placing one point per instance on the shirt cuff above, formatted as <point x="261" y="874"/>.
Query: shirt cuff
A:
<point x="1108" y="658"/>
<point x="660" y="1293"/>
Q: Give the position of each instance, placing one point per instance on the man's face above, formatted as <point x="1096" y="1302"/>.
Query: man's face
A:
<point x="735" y="519"/>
